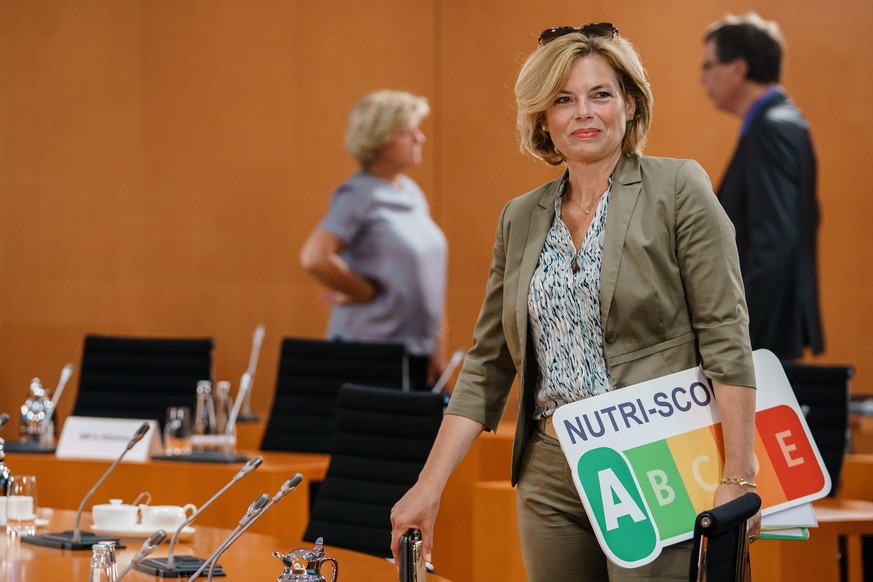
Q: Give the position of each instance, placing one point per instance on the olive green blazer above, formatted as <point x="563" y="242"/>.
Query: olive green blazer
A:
<point x="671" y="294"/>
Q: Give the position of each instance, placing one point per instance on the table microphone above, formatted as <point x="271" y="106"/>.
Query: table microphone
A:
<point x="257" y="340"/>
<point x="72" y="540"/>
<point x="168" y="567"/>
<point x="286" y="488"/>
<point x="66" y="372"/>
<point x="440" y="384"/>
<point x="255" y="509"/>
<point x="148" y="546"/>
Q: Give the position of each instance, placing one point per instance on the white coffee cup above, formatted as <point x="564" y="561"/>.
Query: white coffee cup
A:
<point x="2" y="510"/>
<point x="167" y="517"/>
<point x="115" y="515"/>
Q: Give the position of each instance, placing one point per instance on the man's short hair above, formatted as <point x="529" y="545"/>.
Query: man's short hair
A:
<point x="756" y="41"/>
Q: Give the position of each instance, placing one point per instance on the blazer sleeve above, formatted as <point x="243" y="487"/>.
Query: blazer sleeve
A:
<point x="707" y="254"/>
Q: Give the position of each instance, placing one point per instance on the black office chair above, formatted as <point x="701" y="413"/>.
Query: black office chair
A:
<point x="136" y="377"/>
<point x="311" y="373"/>
<point x="823" y="393"/>
<point x="381" y="442"/>
<point x="720" y="547"/>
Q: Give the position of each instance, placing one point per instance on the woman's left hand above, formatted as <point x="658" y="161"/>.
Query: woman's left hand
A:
<point x="728" y="492"/>
<point x="737" y="406"/>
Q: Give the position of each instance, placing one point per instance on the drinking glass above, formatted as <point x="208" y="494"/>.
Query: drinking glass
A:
<point x="177" y="431"/>
<point x="21" y="504"/>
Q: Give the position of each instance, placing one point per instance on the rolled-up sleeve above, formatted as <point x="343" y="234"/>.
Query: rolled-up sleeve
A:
<point x="707" y="253"/>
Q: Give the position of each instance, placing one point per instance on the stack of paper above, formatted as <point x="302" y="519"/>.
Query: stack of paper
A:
<point x="789" y="524"/>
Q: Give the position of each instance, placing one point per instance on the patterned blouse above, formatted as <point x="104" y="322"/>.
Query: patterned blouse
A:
<point x="564" y="314"/>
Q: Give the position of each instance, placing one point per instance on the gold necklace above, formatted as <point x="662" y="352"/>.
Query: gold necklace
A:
<point x="582" y="208"/>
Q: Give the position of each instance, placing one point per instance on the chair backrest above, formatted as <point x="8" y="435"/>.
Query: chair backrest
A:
<point x="381" y="442"/>
<point x="823" y="393"/>
<point x="134" y="377"/>
<point x="311" y="373"/>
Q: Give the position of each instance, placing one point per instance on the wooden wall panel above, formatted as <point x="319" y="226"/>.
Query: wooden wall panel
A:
<point x="162" y="162"/>
<point x="481" y="167"/>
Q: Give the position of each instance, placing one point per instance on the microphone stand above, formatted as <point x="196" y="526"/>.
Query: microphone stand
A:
<point x="66" y="372"/>
<point x="72" y="540"/>
<point x="286" y="488"/>
<point x="153" y="541"/>
<point x="168" y="567"/>
<point x="440" y="384"/>
<point x="254" y="509"/>
<point x="257" y="339"/>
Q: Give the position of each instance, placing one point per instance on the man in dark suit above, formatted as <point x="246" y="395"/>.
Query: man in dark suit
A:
<point x="769" y="189"/>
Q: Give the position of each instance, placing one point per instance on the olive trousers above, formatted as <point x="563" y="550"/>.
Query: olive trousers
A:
<point x="557" y="541"/>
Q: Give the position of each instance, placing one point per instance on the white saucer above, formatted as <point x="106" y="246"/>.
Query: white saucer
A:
<point x="141" y="532"/>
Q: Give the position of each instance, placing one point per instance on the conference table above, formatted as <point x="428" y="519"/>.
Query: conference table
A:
<point x="819" y="556"/>
<point x="249" y="559"/>
<point x="63" y="483"/>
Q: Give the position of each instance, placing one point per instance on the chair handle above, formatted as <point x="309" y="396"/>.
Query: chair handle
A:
<point x="724" y="517"/>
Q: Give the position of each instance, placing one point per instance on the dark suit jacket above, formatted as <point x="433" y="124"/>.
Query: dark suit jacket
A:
<point x="670" y="291"/>
<point x="769" y="193"/>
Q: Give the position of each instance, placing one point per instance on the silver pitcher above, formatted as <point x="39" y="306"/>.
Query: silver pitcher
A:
<point x="302" y="565"/>
<point x="36" y="427"/>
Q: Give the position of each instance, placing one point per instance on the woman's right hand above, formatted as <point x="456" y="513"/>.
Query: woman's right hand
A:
<point x="416" y="510"/>
<point x="419" y="507"/>
<point x="321" y="258"/>
<point x="340" y="298"/>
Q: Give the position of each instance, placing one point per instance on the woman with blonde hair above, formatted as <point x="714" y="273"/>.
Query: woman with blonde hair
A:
<point x="622" y="270"/>
<point x="378" y="252"/>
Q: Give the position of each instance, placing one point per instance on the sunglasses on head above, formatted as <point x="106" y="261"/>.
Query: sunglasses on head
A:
<point x="602" y="29"/>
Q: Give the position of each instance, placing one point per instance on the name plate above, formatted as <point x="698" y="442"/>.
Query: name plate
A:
<point x="85" y="437"/>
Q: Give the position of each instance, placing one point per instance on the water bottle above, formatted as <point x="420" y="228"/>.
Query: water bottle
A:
<point x="5" y="473"/>
<point x="113" y="563"/>
<point x="204" y="415"/>
<point x="222" y="406"/>
<point x="102" y="559"/>
<point x="222" y="415"/>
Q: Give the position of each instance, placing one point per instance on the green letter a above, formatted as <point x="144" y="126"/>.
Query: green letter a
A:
<point x="622" y="516"/>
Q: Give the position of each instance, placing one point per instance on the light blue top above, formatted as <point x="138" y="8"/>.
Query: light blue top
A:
<point x="389" y="238"/>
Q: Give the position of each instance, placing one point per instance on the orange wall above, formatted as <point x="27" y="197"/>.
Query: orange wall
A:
<point x="161" y="161"/>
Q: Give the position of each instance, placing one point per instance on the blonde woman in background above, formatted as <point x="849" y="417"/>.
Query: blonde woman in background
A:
<point x="378" y="251"/>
